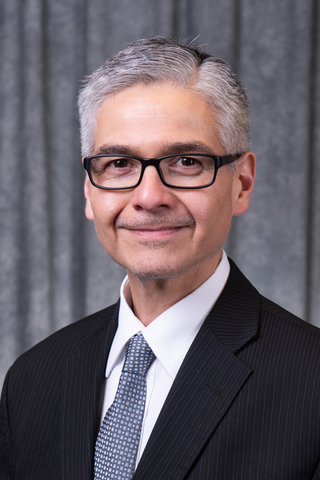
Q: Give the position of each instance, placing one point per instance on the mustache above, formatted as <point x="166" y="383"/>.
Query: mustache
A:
<point x="148" y="222"/>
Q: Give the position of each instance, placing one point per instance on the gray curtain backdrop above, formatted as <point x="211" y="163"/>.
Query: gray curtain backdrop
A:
<point x="53" y="271"/>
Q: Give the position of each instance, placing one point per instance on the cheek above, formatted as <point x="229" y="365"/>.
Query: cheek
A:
<point x="105" y="212"/>
<point x="105" y="207"/>
<point x="213" y="217"/>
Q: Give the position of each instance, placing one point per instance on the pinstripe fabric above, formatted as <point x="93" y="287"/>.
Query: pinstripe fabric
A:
<point x="53" y="404"/>
<point x="244" y="405"/>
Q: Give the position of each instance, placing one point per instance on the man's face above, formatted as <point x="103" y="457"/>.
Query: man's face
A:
<point x="152" y="230"/>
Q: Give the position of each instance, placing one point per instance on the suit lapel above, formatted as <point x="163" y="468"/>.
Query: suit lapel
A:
<point x="207" y="383"/>
<point x="199" y="398"/>
<point x="82" y="379"/>
<point x="235" y="317"/>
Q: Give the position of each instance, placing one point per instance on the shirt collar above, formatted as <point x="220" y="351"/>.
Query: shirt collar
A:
<point x="171" y="334"/>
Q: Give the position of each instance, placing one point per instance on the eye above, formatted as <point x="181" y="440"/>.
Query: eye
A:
<point x="119" y="163"/>
<point x="187" y="161"/>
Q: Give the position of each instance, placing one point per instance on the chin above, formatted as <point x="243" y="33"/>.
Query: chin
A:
<point x="146" y="271"/>
<point x="146" y="274"/>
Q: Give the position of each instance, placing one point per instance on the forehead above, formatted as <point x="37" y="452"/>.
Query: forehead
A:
<point x="147" y="117"/>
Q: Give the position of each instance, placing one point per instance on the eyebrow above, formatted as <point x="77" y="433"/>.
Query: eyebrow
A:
<point x="166" y="149"/>
<point x="118" y="149"/>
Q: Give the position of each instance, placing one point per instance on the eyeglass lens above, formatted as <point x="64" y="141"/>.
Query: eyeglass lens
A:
<point x="177" y="170"/>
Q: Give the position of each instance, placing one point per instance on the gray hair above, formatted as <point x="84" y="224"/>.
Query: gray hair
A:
<point x="163" y="60"/>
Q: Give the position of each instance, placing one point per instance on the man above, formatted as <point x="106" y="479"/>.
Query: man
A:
<point x="230" y="382"/>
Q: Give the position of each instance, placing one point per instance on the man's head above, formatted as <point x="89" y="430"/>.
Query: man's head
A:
<point x="148" y="102"/>
<point x="161" y="60"/>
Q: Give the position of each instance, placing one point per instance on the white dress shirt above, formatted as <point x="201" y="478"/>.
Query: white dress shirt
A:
<point x="169" y="336"/>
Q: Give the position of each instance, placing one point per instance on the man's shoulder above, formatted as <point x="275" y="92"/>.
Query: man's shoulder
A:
<point x="280" y="348"/>
<point x="70" y="339"/>
<point x="289" y="336"/>
<point x="274" y="312"/>
<point x="250" y="310"/>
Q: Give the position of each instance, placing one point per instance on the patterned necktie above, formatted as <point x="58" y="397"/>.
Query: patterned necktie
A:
<point x="119" y="436"/>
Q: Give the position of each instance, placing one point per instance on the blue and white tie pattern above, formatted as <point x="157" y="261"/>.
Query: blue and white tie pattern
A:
<point x="119" y="436"/>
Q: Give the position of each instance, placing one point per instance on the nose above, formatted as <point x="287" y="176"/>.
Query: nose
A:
<point x="152" y="194"/>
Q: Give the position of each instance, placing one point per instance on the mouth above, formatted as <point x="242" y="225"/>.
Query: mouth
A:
<point x="155" y="228"/>
<point x="150" y="228"/>
<point x="156" y="232"/>
<point x="155" y="224"/>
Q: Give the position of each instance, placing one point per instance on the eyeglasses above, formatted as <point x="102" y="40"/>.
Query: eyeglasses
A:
<point x="183" y="170"/>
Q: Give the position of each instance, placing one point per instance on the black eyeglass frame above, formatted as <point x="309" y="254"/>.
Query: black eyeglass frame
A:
<point x="155" y="162"/>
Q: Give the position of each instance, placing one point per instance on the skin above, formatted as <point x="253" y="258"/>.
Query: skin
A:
<point x="169" y="240"/>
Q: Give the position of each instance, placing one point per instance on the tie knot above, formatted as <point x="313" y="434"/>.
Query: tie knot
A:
<point x="139" y="355"/>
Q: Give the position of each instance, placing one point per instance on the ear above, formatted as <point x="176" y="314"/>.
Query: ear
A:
<point x="88" y="209"/>
<point x="243" y="181"/>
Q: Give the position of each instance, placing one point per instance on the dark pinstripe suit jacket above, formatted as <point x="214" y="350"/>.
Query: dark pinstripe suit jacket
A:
<point x="244" y="405"/>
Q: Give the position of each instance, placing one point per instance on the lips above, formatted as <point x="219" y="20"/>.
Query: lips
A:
<point x="159" y="229"/>
<point x="155" y="224"/>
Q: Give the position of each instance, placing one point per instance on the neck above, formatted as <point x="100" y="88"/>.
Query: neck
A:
<point x="150" y="298"/>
